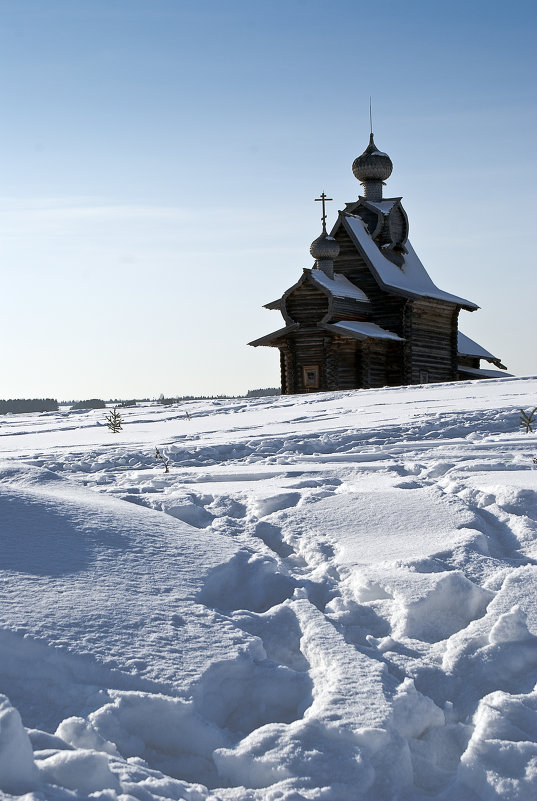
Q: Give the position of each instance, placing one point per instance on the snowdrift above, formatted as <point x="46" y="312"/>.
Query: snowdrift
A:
<point x="330" y="596"/>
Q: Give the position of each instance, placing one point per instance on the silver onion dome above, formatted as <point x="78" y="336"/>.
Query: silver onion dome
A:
<point x="372" y="165"/>
<point x="324" y="247"/>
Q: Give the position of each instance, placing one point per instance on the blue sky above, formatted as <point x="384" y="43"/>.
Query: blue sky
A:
<point x="160" y="161"/>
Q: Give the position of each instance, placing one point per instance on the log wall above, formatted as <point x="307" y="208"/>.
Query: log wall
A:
<point x="348" y="309"/>
<point x="430" y="330"/>
<point x="307" y="304"/>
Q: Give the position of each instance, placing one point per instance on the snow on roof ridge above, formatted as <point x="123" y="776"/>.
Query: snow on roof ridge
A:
<point x="412" y="278"/>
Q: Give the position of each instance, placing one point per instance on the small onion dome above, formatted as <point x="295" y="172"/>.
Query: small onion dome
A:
<point x="324" y="247"/>
<point x="372" y="165"/>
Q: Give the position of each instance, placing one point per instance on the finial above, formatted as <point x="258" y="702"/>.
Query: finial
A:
<point x="323" y="200"/>
<point x="370" y="118"/>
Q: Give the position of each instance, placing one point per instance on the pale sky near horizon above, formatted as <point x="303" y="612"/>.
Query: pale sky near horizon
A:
<point x="161" y="158"/>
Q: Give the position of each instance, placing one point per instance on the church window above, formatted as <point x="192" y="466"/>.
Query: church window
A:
<point x="311" y="376"/>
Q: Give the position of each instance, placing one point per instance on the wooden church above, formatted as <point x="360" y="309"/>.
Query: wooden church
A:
<point x="367" y="314"/>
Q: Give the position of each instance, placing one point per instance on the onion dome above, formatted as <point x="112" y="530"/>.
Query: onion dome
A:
<point x="324" y="250"/>
<point x="372" y="165"/>
<point x="324" y="247"/>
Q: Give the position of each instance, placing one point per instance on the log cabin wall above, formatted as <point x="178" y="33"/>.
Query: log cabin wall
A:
<point x="283" y="376"/>
<point x="287" y="356"/>
<point x="307" y="304"/>
<point x="349" y="309"/>
<point x="394" y="363"/>
<point x="348" y="369"/>
<point x="374" y="363"/>
<point x="469" y="361"/>
<point x="430" y="330"/>
<point x="330" y="363"/>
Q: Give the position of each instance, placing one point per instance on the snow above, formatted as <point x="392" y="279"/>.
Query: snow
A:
<point x="365" y="329"/>
<point x="338" y="286"/>
<point x="330" y="596"/>
<point x="411" y="279"/>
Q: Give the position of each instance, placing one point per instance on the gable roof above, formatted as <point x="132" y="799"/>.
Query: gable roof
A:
<point x="337" y="287"/>
<point x="411" y="279"/>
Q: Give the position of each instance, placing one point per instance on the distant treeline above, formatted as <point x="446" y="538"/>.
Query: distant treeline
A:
<point x="92" y="403"/>
<point x="252" y="393"/>
<point x="262" y="393"/>
<point x="168" y="401"/>
<point x="21" y="405"/>
<point x="114" y="401"/>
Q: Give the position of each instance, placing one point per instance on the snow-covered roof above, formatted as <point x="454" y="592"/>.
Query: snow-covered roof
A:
<point x="360" y="330"/>
<point x="411" y="279"/>
<point x="479" y="373"/>
<point x="339" y="286"/>
<point x="467" y="347"/>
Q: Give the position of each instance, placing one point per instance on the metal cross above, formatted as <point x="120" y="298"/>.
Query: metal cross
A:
<point x="323" y="200"/>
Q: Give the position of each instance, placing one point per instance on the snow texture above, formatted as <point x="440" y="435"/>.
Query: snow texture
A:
<point x="330" y="596"/>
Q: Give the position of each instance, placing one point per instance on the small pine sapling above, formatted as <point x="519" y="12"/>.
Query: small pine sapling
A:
<point x="114" y="421"/>
<point x="163" y="459"/>
<point x="527" y="420"/>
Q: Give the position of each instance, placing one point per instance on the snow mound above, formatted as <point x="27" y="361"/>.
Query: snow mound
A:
<point x="18" y="771"/>
<point x="329" y="597"/>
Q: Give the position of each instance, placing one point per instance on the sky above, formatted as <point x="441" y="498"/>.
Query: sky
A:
<point x="160" y="160"/>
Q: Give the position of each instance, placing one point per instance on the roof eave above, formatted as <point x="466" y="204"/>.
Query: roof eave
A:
<point x="346" y="332"/>
<point x="273" y="305"/>
<point x="269" y="338"/>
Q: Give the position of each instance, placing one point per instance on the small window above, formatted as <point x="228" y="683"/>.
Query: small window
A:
<point x="424" y="376"/>
<point x="311" y="377"/>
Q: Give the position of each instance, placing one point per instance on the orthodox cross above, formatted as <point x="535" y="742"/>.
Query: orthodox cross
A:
<point x="323" y="200"/>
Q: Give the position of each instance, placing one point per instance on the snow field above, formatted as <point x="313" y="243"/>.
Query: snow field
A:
<point x="328" y="597"/>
